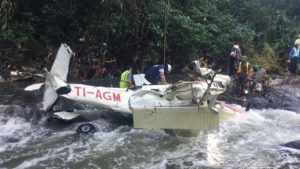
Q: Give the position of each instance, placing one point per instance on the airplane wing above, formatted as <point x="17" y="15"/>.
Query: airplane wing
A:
<point x="64" y="115"/>
<point x="35" y="86"/>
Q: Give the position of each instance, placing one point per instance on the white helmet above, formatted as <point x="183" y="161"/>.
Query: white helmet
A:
<point x="169" y="67"/>
<point x="235" y="46"/>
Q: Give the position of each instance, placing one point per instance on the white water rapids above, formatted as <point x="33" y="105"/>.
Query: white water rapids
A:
<point x="249" y="141"/>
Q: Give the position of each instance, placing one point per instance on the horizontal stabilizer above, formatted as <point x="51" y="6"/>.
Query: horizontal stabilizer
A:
<point x="35" y="86"/>
<point x="64" y="115"/>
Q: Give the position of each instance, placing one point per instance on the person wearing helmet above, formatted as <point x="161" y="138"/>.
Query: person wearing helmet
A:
<point x="297" y="41"/>
<point x="238" y="54"/>
<point x="156" y="74"/>
<point x="294" y="55"/>
<point x="232" y="60"/>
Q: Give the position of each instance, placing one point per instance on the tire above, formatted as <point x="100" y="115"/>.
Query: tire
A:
<point x="86" y="129"/>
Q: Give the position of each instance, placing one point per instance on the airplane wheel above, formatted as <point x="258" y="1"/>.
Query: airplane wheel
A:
<point x="86" y="128"/>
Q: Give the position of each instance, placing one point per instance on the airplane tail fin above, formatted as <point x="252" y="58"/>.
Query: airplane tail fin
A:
<point x="60" y="67"/>
<point x="56" y="79"/>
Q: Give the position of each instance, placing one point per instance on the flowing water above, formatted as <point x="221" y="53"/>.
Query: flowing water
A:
<point x="29" y="140"/>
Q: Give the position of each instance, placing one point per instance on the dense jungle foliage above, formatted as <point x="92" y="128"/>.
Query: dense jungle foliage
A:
<point x="144" y="32"/>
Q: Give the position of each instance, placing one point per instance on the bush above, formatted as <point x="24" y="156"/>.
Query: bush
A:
<point x="267" y="59"/>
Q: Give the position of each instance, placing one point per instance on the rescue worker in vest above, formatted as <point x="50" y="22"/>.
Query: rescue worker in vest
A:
<point x="243" y="74"/>
<point x="126" y="78"/>
<point x="293" y="57"/>
<point x="156" y="74"/>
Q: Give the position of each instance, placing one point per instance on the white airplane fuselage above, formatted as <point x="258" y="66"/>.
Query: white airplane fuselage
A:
<point x="116" y="99"/>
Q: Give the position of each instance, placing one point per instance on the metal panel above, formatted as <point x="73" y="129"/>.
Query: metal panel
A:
<point x="176" y="118"/>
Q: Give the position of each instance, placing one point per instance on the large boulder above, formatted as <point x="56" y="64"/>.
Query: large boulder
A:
<point x="293" y="144"/>
<point x="258" y="102"/>
<point x="284" y="96"/>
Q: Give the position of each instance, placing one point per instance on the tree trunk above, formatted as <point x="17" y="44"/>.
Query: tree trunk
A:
<point x="7" y="10"/>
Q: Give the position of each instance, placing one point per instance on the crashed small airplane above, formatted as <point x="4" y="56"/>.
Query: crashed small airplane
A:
<point x="187" y="105"/>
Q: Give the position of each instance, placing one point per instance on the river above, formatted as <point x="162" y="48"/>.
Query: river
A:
<point x="29" y="140"/>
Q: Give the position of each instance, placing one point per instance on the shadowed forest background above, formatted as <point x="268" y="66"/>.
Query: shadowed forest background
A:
<point x="144" y="32"/>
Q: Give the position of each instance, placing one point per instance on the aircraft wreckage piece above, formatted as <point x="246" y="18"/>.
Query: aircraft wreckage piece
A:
<point x="176" y="118"/>
<point x="188" y="105"/>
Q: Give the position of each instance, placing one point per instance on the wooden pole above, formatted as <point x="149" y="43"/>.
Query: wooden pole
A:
<point x="165" y="28"/>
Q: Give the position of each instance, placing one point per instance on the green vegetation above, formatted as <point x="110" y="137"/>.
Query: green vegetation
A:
<point x="146" y="32"/>
<point x="266" y="58"/>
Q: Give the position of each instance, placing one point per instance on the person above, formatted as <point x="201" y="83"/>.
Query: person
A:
<point x="126" y="78"/>
<point x="193" y="69"/>
<point x="293" y="58"/>
<point x="243" y="74"/>
<point x="233" y="60"/>
<point x="156" y="74"/>
<point x="197" y="69"/>
<point x="258" y="79"/>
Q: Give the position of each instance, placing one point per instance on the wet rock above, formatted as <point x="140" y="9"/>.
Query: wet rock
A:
<point x="188" y="163"/>
<point x="258" y="102"/>
<point x="293" y="144"/>
<point x="4" y="76"/>
<point x="173" y="166"/>
<point x="286" y="96"/>
<point x="29" y="114"/>
<point x="12" y="110"/>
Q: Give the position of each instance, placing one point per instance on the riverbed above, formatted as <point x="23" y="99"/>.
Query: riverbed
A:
<point x="28" y="139"/>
